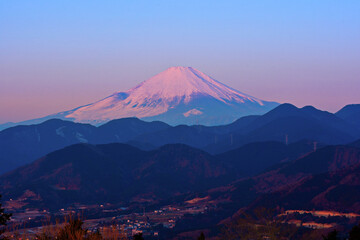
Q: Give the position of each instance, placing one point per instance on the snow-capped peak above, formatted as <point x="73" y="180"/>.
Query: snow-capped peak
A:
<point x="183" y="83"/>
<point x="175" y="88"/>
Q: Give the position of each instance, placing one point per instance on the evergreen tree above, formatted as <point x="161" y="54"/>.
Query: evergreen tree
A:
<point x="354" y="234"/>
<point x="4" y="218"/>
<point x="138" y="236"/>
<point x="201" y="237"/>
<point x="333" y="235"/>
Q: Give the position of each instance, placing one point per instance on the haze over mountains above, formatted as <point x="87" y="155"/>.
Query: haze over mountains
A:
<point x="284" y="122"/>
<point x="178" y="95"/>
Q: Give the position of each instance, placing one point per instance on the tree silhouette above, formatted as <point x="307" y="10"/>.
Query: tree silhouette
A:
<point x="4" y="218"/>
<point x="72" y="230"/>
<point x="262" y="223"/>
<point x="354" y="234"/>
<point x="138" y="236"/>
<point x="201" y="237"/>
<point x="333" y="235"/>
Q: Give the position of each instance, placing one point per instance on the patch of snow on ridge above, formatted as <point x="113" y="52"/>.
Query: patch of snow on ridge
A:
<point x="81" y="137"/>
<point x="59" y="131"/>
<point x="193" y="112"/>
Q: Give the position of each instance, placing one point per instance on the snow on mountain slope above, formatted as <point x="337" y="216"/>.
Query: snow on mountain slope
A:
<point x="161" y="93"/>
<point x="181" y="83"/>
<point x="178" y="95"/>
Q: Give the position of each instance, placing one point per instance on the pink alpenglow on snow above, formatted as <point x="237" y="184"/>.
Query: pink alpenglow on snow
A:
<point x="178" y="95"/>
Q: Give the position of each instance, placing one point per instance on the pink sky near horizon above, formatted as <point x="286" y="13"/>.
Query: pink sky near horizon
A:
<point x="38" y="100"/>
<point x="56" y="56"/>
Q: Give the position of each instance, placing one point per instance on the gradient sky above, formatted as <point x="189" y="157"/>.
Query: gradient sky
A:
<point x="57" y="55"/>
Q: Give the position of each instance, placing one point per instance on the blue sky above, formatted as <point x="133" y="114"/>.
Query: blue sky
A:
<point x="57" y="55"/>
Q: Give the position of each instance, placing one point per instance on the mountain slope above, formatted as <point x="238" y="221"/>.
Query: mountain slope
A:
<point x="254" y="158"/>
<point x="325" y="179"/>
<point x="355" y="144"/>
<point x="21" y="144"/>
<point x="283" y="179"/>
<point x="335" y="190"/>
<point x="84" y="173"/>
<point x="351" y="114"/>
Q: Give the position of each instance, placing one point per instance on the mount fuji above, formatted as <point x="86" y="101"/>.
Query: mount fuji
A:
<point x="178" y="95"/>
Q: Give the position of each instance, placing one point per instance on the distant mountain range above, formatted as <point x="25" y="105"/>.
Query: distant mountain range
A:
<point x="284" y="123"/>
<point x="23" y="144"/>
<point x="179" y="95"/>
<point x="251" y="166"/>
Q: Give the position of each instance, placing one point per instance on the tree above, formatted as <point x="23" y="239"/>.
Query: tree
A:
<point x="354" y="234"/>
<point x="333" y="235"/>
<point x="262" y="223"/>
<point x="138" y="236"/>
<point x="112" y="233"/>
<point x="4" y="218"/>
<point x="201" y="237"/>
<point x="72" y="229"/>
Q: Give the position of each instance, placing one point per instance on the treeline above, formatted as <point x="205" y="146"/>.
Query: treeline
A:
<point x="354" y="234"/>
<point x="72" y="229"/>
<point x="264" y="223"/>
<point x="259" y="224"/>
